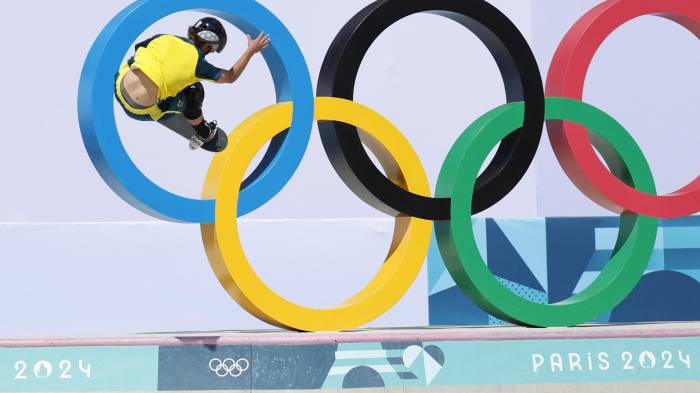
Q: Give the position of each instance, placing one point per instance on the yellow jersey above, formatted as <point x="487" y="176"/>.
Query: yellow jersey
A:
<point x="172" y="63"/>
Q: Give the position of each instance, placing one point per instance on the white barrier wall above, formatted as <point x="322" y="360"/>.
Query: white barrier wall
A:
<point x="78" y="260"/>
<point x="110" y="278"/>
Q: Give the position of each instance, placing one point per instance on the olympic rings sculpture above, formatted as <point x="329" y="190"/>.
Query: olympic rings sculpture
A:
<point x="627" y="188"/>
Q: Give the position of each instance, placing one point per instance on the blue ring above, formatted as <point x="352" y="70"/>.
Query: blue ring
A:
<point x="292" y="82"/>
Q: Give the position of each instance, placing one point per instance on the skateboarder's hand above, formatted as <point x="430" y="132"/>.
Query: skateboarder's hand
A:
<point x="258" y="44"/>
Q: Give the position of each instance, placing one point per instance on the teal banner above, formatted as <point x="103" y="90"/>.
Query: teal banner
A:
<point x="73" y="369"/>
<point x="349" y="365"/>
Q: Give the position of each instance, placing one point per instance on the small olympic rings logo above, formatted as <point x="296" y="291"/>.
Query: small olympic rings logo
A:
<point x="402" y="191"/>
<point x="229" y="367"/>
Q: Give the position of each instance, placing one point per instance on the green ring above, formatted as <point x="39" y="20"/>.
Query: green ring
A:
<point x="456" y="240"/>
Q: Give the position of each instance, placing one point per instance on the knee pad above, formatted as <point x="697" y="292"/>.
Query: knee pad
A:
<point x="194" y="94"/>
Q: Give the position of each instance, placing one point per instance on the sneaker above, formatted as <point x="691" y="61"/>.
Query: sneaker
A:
<point x="197" y="141"/>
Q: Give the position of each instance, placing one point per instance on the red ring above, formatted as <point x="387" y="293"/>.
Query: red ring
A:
<point x="570" y="142"/>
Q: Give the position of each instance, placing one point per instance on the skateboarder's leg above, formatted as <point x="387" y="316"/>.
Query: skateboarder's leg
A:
<point x="194" y="97"/>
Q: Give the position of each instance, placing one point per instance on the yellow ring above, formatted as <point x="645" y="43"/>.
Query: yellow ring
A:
<point x="222" y="242"/>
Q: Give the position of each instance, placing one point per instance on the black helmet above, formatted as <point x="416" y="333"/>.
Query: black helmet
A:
<point x="210" y="31"/>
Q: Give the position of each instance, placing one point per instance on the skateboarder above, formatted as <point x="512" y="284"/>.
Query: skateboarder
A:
<point x="163" y="77"/>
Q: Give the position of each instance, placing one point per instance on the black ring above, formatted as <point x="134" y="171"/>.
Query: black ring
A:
<point x="521" y="77"/>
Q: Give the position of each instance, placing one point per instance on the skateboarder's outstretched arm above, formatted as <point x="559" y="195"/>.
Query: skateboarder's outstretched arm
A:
<point x="254" y="46"/>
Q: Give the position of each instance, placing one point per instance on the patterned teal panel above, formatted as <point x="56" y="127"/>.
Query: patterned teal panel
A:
<point x="550" y="259"/>
<point x="362" y="365"/>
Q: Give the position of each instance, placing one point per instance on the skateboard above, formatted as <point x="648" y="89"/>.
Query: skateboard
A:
<point x="182" y="127"/>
